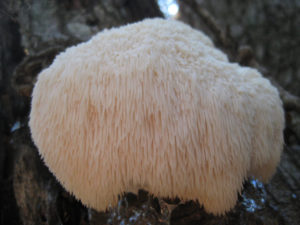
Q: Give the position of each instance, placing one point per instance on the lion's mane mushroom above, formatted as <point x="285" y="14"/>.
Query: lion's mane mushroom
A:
<point x="155" y="106"/>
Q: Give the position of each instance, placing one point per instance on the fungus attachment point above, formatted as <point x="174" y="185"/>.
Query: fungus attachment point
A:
<point x="155" y="106"/>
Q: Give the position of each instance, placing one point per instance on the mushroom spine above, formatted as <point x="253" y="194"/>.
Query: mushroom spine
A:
<point x="154" y="105"/>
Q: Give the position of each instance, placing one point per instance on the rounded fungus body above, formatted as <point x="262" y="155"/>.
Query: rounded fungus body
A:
<point x="154" y="105"/>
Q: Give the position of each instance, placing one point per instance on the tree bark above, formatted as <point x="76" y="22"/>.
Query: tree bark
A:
<point x="33" y="32"/>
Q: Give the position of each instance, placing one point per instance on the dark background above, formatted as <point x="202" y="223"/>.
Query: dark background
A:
<point x="259" y="33"/>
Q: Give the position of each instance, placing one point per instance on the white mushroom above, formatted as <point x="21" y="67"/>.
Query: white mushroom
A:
<point x="155" y="106"/>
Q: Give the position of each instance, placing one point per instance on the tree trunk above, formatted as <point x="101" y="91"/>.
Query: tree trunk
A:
<point x="32" y="32"/>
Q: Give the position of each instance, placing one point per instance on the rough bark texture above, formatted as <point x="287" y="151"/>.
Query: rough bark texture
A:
<point x="270" y="27"/>
<point x="32" y="32"/>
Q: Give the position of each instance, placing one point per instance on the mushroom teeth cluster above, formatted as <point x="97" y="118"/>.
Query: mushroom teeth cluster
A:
<point x="154" y="105"/>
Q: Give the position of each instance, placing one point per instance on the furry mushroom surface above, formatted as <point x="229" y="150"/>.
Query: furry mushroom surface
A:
<point x="154" y="105"/>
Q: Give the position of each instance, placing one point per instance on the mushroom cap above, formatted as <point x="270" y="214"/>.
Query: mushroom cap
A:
<point x="154" y="105"/>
